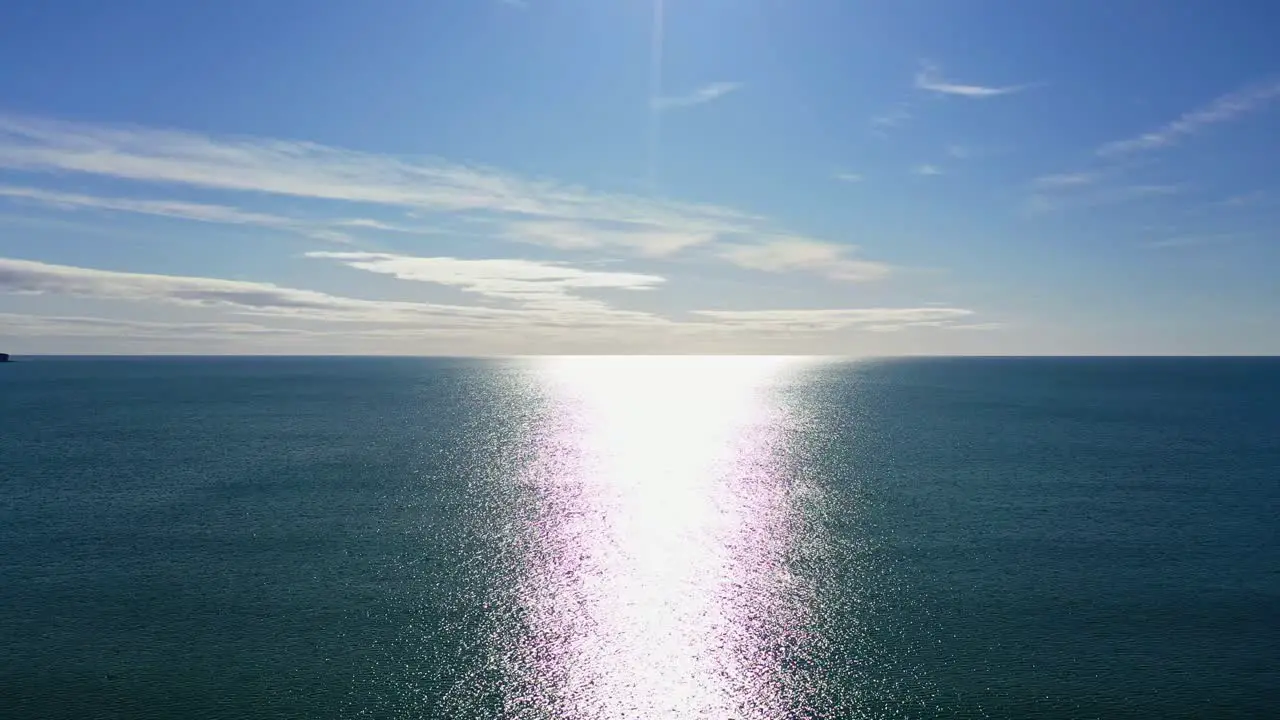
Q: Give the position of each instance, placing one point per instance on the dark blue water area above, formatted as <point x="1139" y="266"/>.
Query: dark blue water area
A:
<point x="339" y="537"/>
<point x="1081" y="537"/>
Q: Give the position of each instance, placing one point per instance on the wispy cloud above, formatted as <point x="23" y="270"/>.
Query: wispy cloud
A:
<point x="517" y="4"/>
<point x="929" y="77"/>
<point x="554" y="287"/>
<point x="1224" y="109"/>
<point x="789" y="254"/>
<point x="514" y="208"/>
<point x="1184" y="241"/>
<point x="199" y="212"/>
<point x="1086" y="187"/>
<point x="163" y="208"/>
<point x="849" y="177"/>
<point x="879" y="319"/>
<point x="28" y="325"/>
<point x="892" y="118"/>
<point x="704" y="94"/>
<point x="927" y="170"/>
<point x="1066" y="180"/>
<point x="307" y="170"/>
<point x="1249" y="199"/>
<point x="178" y="337"/>
<point x="977" y="327"/>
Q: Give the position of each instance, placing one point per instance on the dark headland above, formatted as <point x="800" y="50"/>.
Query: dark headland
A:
<point x="4" y="357"/>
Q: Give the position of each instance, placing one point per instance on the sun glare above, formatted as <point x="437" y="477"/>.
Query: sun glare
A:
<point x="658" y="547"/>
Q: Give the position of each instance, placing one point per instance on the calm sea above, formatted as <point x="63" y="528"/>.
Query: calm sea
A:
<point x="643" y="538"/>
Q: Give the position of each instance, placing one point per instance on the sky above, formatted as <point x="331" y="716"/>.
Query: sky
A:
<point x="492" y="177"/>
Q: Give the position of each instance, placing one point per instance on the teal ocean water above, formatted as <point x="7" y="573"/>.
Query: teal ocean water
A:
<point x="639" y="538"/>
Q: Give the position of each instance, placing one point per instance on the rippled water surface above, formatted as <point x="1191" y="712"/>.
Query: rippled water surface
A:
<point x="607" y="538"/>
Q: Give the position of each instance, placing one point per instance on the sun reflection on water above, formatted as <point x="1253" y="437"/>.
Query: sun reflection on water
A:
<point x="656" y="584"/>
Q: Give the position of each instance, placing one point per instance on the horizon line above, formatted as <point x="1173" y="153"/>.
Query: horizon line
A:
<point x="534" y="356"/>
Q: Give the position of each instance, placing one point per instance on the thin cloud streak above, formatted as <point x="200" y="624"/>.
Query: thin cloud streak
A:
<point x="880" y="318"/>
<point x="1249" y="199"/>
<point x="701" y="96"/>
<point x="889" y="120"/>
<point x="929" y="78"/>
<point x="1223" y="109"/>
<point x="198" y="212"/>
<point x="533" y="285"/>
<point x="113" y="328"/>
<point x="1066" y="180"/>
<point x="176" y="337"/>
<point x="1184" y="241"/>
<point x="977" y="327"/>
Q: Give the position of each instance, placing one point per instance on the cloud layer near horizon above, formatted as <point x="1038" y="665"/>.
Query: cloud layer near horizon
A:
<point x="513" y="296"/>
<point x="534" y="298"/>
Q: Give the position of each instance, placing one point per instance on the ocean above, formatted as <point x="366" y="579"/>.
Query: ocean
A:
<point x="650" y="538"/>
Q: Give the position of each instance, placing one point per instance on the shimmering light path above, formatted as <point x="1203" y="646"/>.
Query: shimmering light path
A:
<point x="656" y="584"/>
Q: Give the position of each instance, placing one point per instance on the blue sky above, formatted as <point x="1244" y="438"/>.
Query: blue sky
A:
<point x="494" y="176"/>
